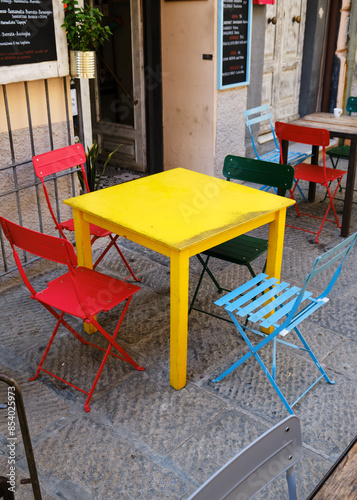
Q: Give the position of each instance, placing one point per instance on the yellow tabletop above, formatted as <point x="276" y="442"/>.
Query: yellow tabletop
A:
<point x="180" y="213"/>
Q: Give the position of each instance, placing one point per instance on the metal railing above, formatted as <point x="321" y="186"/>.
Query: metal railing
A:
<point x="19" y="186"/>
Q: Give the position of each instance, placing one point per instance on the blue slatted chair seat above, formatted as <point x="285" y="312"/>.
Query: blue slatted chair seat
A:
<point x="294" y="157"/>
<point x="253" y="302"/>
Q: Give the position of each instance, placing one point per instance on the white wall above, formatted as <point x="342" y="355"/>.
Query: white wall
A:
<point x="189" y="84"/>
<point x="230" y="127"/>
<point x="201" y="124"/>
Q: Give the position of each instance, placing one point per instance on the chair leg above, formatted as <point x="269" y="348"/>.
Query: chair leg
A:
<point x="112" y="343"/>
<point x="290" y="476"/>
<point x="312" y="355"/>
<point x="205" y="269"/>
<point x="253" y="351"/>
<point x="39" y="368"/>
<point x="331" y="205"/>
<point x="113" y="243"/>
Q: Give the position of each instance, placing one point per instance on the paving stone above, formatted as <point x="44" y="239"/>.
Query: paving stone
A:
<point x="156" y="412"/>
<point x="105" y="467"/>
<point x="343" y="358"/>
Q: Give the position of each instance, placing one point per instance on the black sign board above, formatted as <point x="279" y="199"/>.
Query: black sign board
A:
<point x="27" y="33"/>
<point x="234" y="43"/>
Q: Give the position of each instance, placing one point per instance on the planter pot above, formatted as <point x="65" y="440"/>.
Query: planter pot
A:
<point x="82" y="64"/>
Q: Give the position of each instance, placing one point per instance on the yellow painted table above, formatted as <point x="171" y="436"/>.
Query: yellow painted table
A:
<point x="180" y="213"/>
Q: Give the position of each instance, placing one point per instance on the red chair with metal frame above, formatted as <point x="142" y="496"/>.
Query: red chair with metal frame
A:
<point x="309" y="172"/>
<point x="46" y="166"/>
<point x="80" y="292"/>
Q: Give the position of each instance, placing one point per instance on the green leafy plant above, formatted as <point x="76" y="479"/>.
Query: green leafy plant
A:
<point x="91" y="167"/>
<point x="83" y="27"/>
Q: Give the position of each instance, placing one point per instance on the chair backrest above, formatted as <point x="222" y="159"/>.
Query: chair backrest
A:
<point x="43" y="245"/>
<point x="258" y="115"/>
<point x="302" y="135"/>
<point x="258" y="171"/>
<point x="257" y="465"/>
<point x="336" y="256"/>
<point x="351" y="106"/>
<point x="58" y="160"/>
<point x="47" y="165"/>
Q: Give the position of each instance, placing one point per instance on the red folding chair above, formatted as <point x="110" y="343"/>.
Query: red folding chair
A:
<point x="308" y="172"/>
<point x="47" y="166"/>
<point x="80" y="292"/>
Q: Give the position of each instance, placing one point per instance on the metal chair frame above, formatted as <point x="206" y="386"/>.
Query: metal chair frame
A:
<point x="262" y="114"/>
<point x="81" y="292"/>
<point x="47" y="166"/>
<point x="309" y="172"/>
<point x="266" y="302"/>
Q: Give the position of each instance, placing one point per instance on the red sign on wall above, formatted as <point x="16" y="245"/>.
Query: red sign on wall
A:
<point x="264" y="2"/>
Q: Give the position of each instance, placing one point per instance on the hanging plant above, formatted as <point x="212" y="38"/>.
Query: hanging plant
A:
<point x="83" y="27"/>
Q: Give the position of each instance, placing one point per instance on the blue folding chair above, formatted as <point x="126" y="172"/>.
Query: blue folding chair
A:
<point x="266" y="302"/>
<point x="262" y="114"/>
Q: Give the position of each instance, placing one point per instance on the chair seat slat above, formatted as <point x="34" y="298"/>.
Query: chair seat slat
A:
<point x="274" y="304"/>
<point x="260" y="301"/>
<point x="252" y="294"/>
<point x="282" y="311"/>
<point x="222" y="301"/>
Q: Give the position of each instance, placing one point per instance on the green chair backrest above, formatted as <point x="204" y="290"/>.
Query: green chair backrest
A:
<point x="258" y="171"/>
<point x="351" y="105"/>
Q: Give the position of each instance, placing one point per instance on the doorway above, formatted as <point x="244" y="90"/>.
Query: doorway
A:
<point x="284" y="38"/>
<point x="119" y="89"/>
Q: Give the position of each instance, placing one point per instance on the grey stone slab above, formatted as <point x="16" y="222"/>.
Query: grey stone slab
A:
<point x="202" y="455"/>
<point x="343" y="358"/>
<point x="338" y="315"/>
<point x="113" y="264"/>
<point x="157" y="413"/>
<point x="328" y="416"/>
<point x="210" y="341"/>
<point x="45" y="410"/>
<point x="85" y="460"/>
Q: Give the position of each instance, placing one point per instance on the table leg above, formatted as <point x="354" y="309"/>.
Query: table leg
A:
<point x="276" y="244"/>
<point x="83" y="241"/>
<point x="179" y="276"/>
<point x="84" y="250"/>
<point x="275" y="249"/>
<point x="314" y="161"/>
<point x="350" y="183"/>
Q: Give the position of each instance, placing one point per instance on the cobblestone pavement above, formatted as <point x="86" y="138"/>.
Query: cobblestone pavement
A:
<point x="144" y="440"/>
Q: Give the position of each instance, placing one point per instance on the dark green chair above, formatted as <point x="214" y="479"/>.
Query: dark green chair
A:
<point x="343" y="151"/>
<point x="244" y="249"/>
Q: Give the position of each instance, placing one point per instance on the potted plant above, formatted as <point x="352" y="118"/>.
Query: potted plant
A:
<point x="92" y="168"/>
<point x="85" y="34"/>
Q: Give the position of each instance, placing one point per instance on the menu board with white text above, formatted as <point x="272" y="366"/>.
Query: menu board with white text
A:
<point x="27" y="33"/>
<point x="234" y="32"/>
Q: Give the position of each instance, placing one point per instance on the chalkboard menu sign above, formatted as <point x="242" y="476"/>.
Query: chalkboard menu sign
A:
<point x="234" y="32"/>
<point x="27" y="33"/>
